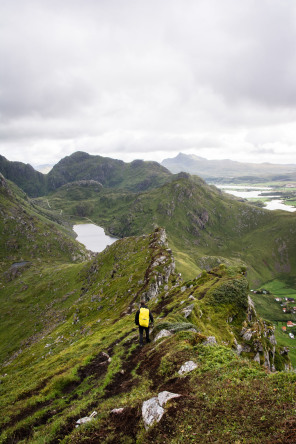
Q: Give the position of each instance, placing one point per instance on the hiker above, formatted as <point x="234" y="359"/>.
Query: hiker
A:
<point x="143" y="318"/>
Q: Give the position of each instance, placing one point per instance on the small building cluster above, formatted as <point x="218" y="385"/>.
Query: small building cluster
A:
<point x="289" y="325"/>
<point x="284" y="304"/>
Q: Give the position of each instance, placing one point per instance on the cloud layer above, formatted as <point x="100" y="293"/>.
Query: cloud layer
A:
<point x="147" y="79"/>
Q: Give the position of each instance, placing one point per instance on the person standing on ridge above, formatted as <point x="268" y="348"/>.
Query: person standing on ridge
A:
<point x="143" y="318"/>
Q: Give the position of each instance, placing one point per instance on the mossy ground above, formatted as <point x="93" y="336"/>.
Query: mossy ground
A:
<point x="69" y="345"/>
<point x="65" y="373"/>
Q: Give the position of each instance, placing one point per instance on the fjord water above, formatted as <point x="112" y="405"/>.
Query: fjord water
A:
<point x="93" y="237"/>
<point x="249" y="192"/>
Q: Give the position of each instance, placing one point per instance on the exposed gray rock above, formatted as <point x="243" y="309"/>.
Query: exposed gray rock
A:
<point x="258" y="346"/>
<point x="284" y="351"/>
<point x="108" y="359"/>
<point x="162" y="237"/>
<point x="239" y="349"/>
<point x="189" y="366"/>
<point x="247" y="335"/>
<point x="266" y="360"/>
<point x="117" y="411"/>
<point x="164" y="397"/>
<point x="151" y="412"/>
<point x="251" y="312"/>
<point x="163" y="334"/>
<point x="152" y="409"/>
<point x="257" y="358"/>
<point x="211" y="340"/>
<point x="183" y="289"/>
<point x="272" y="339"/>
<point x="192" y="298"/>
<point x="86" y="419"/>
<point x="188" y="310"/>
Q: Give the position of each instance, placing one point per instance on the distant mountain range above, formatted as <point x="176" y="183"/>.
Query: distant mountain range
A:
<point x="228" y="169"/>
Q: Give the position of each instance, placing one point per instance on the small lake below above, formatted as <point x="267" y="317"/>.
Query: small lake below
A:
<point x="93" y="237"/>
<point x="249" y="192"/>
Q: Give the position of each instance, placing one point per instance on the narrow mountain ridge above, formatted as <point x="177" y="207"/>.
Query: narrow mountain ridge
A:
<point x="89" y="360"/>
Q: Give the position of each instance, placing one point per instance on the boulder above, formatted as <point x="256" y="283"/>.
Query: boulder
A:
<point x="189" y="366"/>
<point x="152" y="412"/>
<point x="152" y="409"/>
<point x="163" y="334"/>
<point x="164" y="397"/>
<point x="188" y="310"/>
<point x="117" y="411"/>
<point x="86" y="419"/>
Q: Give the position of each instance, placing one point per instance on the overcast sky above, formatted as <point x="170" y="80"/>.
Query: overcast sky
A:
<point x="146" y="79"/>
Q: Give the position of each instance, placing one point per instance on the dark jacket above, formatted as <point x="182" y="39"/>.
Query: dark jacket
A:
<point x="138" y="314"/>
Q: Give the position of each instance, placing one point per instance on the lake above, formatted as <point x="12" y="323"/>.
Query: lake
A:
<point x="248" y="192"/>
<point x="93" y="237"/>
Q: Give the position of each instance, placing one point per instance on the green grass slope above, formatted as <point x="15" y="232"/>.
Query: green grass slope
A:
<point x="205" y="227"/>
<point x="111" y="173"/>
<point x="88" y="359"/>
<point x="24" y="175"/>
<point x="31" y="234"/>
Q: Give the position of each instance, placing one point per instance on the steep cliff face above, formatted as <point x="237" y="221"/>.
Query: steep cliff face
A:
<point x="258" y="341"/>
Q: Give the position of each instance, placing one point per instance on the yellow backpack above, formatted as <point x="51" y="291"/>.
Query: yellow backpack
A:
<point x="144" y="317"/>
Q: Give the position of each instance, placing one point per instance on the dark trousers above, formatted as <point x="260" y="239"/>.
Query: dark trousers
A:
<point x="141" y="329"/>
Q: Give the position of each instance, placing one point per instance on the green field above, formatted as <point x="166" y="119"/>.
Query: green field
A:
<point x="271" y="310"/>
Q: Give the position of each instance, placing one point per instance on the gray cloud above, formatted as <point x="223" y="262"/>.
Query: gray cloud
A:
<point x="147" y="78"/>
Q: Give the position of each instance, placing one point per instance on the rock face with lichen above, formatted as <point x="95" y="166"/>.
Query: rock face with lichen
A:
<point x="257" y="339"/>
<point x="162" y="266"/>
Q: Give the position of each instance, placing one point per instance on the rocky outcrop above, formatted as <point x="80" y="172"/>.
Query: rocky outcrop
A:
<point x="152" y="409"/>
<point x="161" y="268"/>
<point x="163" y="334"/>
<point x="258" y="338"/>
